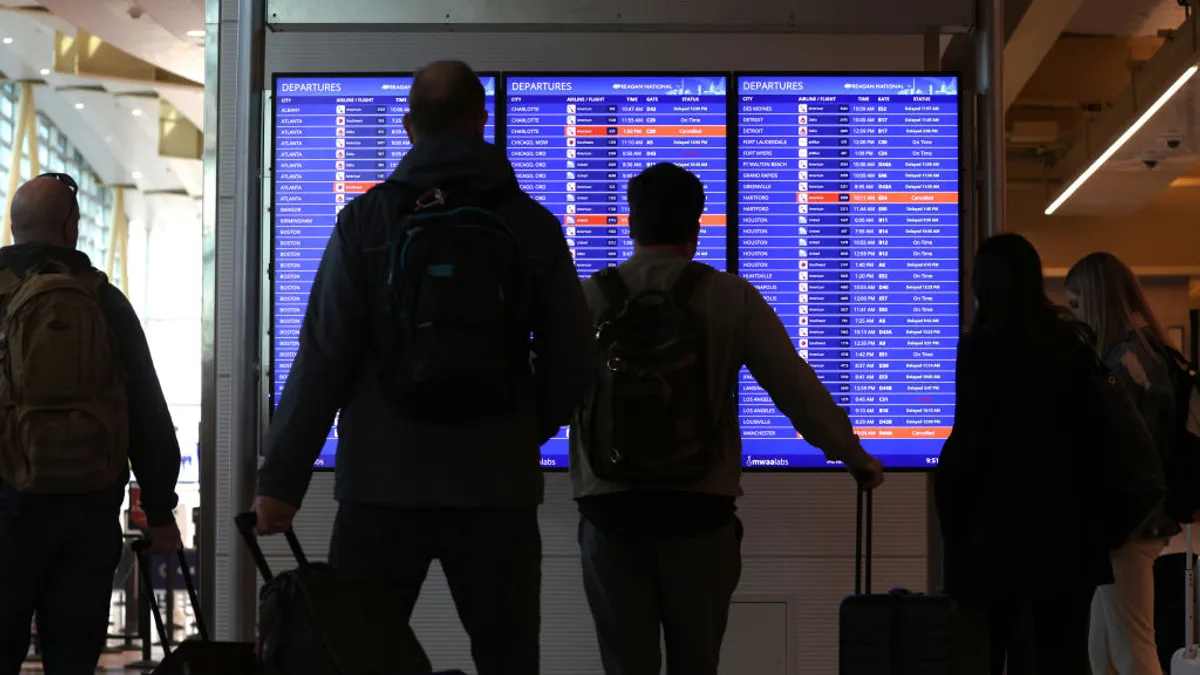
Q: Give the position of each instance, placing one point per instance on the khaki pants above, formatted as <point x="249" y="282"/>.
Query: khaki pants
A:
<point x="1121" y="641"/>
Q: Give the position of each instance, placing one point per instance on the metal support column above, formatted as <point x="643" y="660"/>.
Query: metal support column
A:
<point x="234" y="56"/>
<point x="989" y="36"/>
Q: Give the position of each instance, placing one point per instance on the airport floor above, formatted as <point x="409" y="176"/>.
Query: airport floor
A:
<point x="110" y="663"/>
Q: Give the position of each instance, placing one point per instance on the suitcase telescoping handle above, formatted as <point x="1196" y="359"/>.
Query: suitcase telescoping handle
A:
<point x="862" y="541"/>
<point x="1189" y="642"/>
<point x="247" y="524"/>
<point x="139" y="548"/>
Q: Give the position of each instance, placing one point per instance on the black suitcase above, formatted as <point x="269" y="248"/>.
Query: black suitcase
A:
<point x="897" y="633"/>
<point x="194" y="656"/>
<point x="316" y="621"/>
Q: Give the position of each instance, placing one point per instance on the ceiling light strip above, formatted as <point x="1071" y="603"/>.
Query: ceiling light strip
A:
<point x="1121" y="140"/>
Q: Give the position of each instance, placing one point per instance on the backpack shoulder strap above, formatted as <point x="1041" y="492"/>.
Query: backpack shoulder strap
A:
<point x="615" y="292"/>
<point x="9" y="280"/>
<point x="685" y="285"/>
<point x="92" y="279"/>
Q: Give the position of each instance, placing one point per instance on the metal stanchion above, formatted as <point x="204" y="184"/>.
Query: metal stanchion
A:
<point x="145" y="596"/>
<point x="169" y="566"/>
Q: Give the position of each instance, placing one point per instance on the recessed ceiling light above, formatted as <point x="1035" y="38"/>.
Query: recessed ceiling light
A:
<point x="195" y="33"/>
<point x="8" y="41"/>
<point x="137" y="175"/>
<point x="79" y="106"/>
<point x="108" y="139"/>
<point x="44" y="71"/>
<point x="137" y="112"/>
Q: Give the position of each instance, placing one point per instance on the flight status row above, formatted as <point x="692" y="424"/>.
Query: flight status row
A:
<point x="842" y="192"/>
<point x="335" y="138"/>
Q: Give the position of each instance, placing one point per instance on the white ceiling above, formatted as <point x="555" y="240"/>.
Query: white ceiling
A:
<point x="118" y="144"/>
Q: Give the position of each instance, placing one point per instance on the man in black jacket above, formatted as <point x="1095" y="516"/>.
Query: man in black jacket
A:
<point x="58" y="552"/>
<point x="410" y="490"/>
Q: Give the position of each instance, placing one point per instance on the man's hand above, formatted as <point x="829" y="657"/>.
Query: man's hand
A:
<point x="164" y="539"/>
<point x="869" y="476"/>
<point x="273" y="515"/>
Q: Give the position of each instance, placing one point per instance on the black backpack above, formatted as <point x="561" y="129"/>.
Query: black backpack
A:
<point x="1182" y="454"/>
<point x="456" y="346"/>
<point x="648" y="423"/>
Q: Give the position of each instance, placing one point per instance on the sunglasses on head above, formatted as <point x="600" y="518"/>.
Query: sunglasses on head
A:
<point x="64" y="179"/>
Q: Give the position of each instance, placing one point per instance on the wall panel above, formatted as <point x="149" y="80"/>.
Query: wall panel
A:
<point x="799" y="527"/>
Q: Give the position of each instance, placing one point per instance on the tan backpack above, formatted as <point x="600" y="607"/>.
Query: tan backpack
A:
<point x="64" y="414"/>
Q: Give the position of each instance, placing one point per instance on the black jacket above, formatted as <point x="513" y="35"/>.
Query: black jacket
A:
<point x="1014" y="485"/>
<point x="153" y="445"/>
<point x="383" y="457"/>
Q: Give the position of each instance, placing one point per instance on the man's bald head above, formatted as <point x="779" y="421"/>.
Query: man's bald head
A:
<point x="446" y="98"/>
<point x="44" y="211"/>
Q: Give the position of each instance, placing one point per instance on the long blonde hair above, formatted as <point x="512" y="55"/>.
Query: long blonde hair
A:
<point x="1111" y="302"/>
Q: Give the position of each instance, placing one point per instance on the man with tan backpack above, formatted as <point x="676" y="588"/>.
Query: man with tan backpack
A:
<point x="80" y="403"/>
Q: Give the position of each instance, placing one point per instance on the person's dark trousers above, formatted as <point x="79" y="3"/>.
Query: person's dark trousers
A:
<point x="58" y="556"/>
<point x="492" y="559"/>
<point x="1036" y="633"/>
<point x="642" y="586"/>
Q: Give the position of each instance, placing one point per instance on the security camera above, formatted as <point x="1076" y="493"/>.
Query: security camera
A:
<point x="1150" y="163"/>
<point x="135" y="11"/>
<point x="1173" y="143"/>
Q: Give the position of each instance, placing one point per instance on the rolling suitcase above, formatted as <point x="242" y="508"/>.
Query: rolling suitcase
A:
<point x="1186" y="661"/>
<point x="896" y="633"/>
<point x="316" y="621"/>
<point x="194" y="656"/>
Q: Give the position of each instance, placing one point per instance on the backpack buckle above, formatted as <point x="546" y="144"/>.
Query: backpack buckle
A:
<point x="434" y="197"/>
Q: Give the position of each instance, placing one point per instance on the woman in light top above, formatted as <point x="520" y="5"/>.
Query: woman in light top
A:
<point x="1104" y="294"/>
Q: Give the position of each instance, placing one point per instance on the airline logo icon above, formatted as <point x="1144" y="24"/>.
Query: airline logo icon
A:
<point x="341" y="110"/>
<point x="803" y="275"/>
<point x="571" y="119"/>
<point x="803" y="154"/>
<point x="804" y="208"/>
<point x="340" y="175"/>
<point x="339" y="165"/>
<point x="803" y="332"/>
<point x="802" y="141"/>
<point x="340" y="154"/>
<point x="570" y="208"/>
<point x="803" y="119"/>
<point x="803" y="107"/>
<point x="803" y="163"/>
<point x="803" y="196"/>
<point x="339" y="198"/>
<point x="570" y="187"/>
<point x="341" y="131"/>
<point x="570" y="131"/>
<point x="804" y="353"/>
<point x="570" y="152"/>
<point x="339" y="187"/>
<point x="570" y="143"/>
<point x="803" y="287"/>
<point x="803" y="187"/>
<point x="341" y="121"/>
<point x="804" y="132"/>
<point x="803" y="175"/>
<point x="340" y="142"/>
<point x="570" y="108"/>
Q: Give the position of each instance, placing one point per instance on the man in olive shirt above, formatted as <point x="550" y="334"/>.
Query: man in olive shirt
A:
<point x="670" y="560"/>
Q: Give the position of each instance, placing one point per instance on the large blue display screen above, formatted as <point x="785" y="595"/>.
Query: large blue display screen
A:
<point x="848" y="223"/>
<point x="335" y="136"/>
<point x="576" y="140"/>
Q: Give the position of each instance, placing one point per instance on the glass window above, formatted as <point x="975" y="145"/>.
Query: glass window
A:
<point x="43" y="156"/>
<point x="6" y="107"/>
<point x="7" y="127"/>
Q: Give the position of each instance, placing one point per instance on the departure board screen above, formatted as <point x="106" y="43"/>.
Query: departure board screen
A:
<point x="335" y="136"/>
<point x="576" y="140"/>
<point x="848" y="223"/>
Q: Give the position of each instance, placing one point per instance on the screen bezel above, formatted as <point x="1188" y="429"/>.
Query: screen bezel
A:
<point x="962" y="215"/>
<point x="731" y="149"/>
<point x="267" y="412"/>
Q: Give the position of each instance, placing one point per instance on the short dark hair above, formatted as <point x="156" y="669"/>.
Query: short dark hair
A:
<point x="665" y="205"/>
<point x="446" y="97"/>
